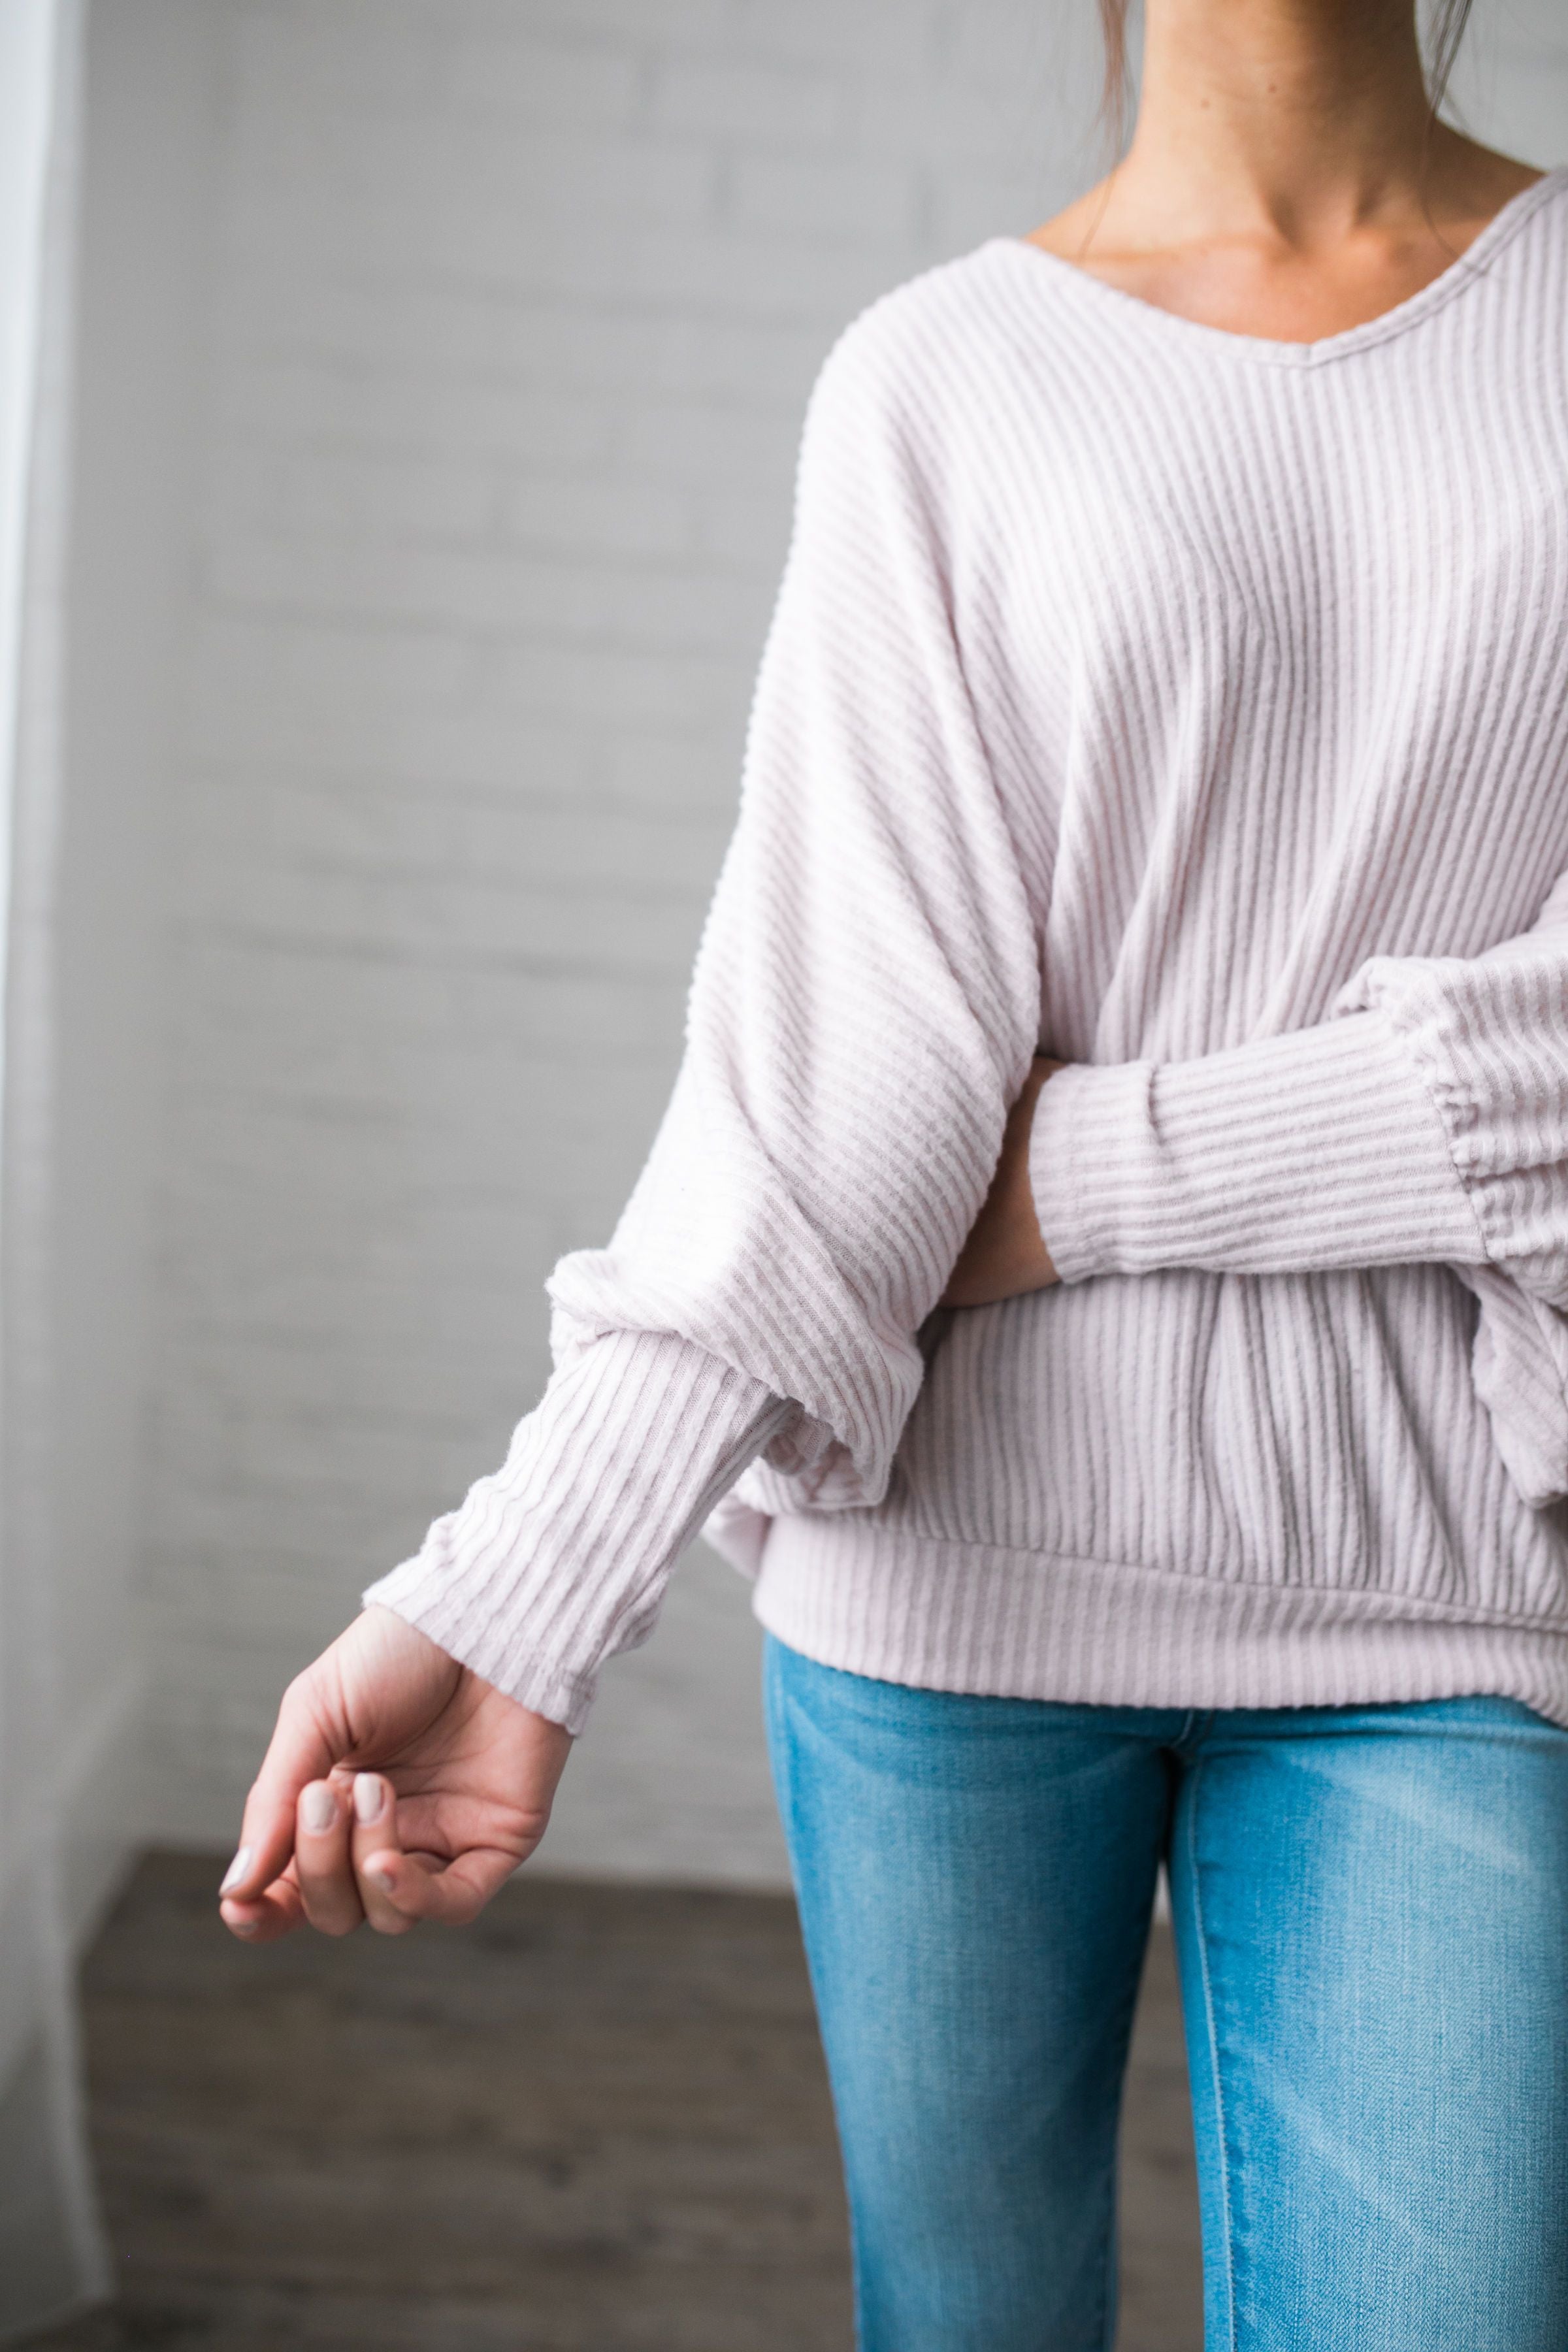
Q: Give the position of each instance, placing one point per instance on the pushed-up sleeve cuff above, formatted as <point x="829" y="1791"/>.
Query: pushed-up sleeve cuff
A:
<point x="1319" y="1148"/>
<point x="1488" y="1037"/>
<point x="559" y="1560"/>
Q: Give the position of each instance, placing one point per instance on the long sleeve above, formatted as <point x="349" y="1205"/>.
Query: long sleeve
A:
<point x="1426" y="1120"/>
<point x="558" y="1559"/>
<point x="1427" y="1117"/>
<point x="1318" y="1149"/>
<point x="863" y="1010"/>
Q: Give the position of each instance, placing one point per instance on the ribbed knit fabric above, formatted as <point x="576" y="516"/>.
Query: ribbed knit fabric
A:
<point x="1193" y="708"/>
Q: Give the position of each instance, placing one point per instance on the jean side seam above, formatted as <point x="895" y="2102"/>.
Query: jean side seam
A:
<point x="1221" y="2135"/>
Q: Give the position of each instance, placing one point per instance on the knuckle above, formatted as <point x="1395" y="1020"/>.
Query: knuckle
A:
<point x="295" y="1696"/>
<point x="301" y="1695"/>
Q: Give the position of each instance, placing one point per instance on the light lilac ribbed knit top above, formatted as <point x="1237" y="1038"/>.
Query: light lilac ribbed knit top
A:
<point x="1194" y="707"/>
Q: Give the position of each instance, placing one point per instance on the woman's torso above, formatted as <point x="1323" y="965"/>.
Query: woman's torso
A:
<point x="1267" y="642"/>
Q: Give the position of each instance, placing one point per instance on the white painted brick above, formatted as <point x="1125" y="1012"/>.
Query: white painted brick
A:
<point x="374" y="52"/>
<point x="660" y="349"/>
<point x="299" y="401"/>
<point x="603" y="517"/>
<point x="410" y="1390"/>
<point x="671" y="768"/>
<point x="369" y="829"/>
<point x="703" y="442"/>
<point x="457" y="196"/>
<point x="311" y="1075"/>
<point x="943" y="122"/>
<point x="530" y="81"/>
<point x="665" y="689"/>
<point x="217" y="1293"/>
<point x="262" y="657"/>
<point x="746" y="527"/>
<point x="593" y="1021"/>
<point x="350" y="495"/>
<point x="842" y="201"/>
<point x="496" y="921"/>
<point x="792" y="275"/>
<point x="755" y="105"/>
<point x="415" y="330"/>
<point x="403" y="336"/>
<point x="489" y="595"/>
<point x="679" y="22"/>
<point x="876" y="36"/>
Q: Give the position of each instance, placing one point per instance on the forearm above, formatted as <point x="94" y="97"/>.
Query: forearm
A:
<point x="1427" y="1119"/>
<point x="1318" y="1149"/>
<point x="1005" y="1254"/>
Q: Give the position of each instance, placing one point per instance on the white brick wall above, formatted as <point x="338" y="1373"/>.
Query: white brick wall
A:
<point x="511" y="311"/>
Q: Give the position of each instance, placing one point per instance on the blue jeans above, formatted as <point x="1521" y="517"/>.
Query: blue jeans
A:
<point x="1371" y="1912"/>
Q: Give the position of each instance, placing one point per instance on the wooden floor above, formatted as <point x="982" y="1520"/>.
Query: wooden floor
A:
<point x="595" y="2122"/>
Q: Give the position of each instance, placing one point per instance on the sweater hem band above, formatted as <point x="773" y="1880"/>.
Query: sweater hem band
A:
<point x="988" y="1622"/>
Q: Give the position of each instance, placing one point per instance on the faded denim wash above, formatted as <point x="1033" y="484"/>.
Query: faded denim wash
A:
<point x="1371" y="1910"/>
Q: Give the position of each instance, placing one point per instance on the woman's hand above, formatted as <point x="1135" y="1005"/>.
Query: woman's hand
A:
<point x="398" y="1787"/>
<point x="1005" y="1253"/>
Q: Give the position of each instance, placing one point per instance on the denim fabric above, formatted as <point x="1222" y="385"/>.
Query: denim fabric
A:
<point x="1371" y="1909"/>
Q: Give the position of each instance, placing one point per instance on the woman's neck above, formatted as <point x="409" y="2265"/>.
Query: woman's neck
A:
<point x="1288" y="121"/>
<point x="1285" y="177"/>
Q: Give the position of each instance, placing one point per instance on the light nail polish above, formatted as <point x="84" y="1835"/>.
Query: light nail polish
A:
<point x="369" y="1795"/>
<point x="319" y="1808"/>
<point x="238" y="1871"/>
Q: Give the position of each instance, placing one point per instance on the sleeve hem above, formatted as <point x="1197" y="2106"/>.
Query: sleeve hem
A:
<point x="423" y="1600"/>
<point x="559" y="1560"/>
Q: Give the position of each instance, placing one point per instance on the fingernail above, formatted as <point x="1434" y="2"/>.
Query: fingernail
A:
<point x="238" y="1871"/>
<point x="368" y="1795"/>
<point x="242" y="1926"/>
<point x="320" y="1808"/>
<point x="385" y="1880"/>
